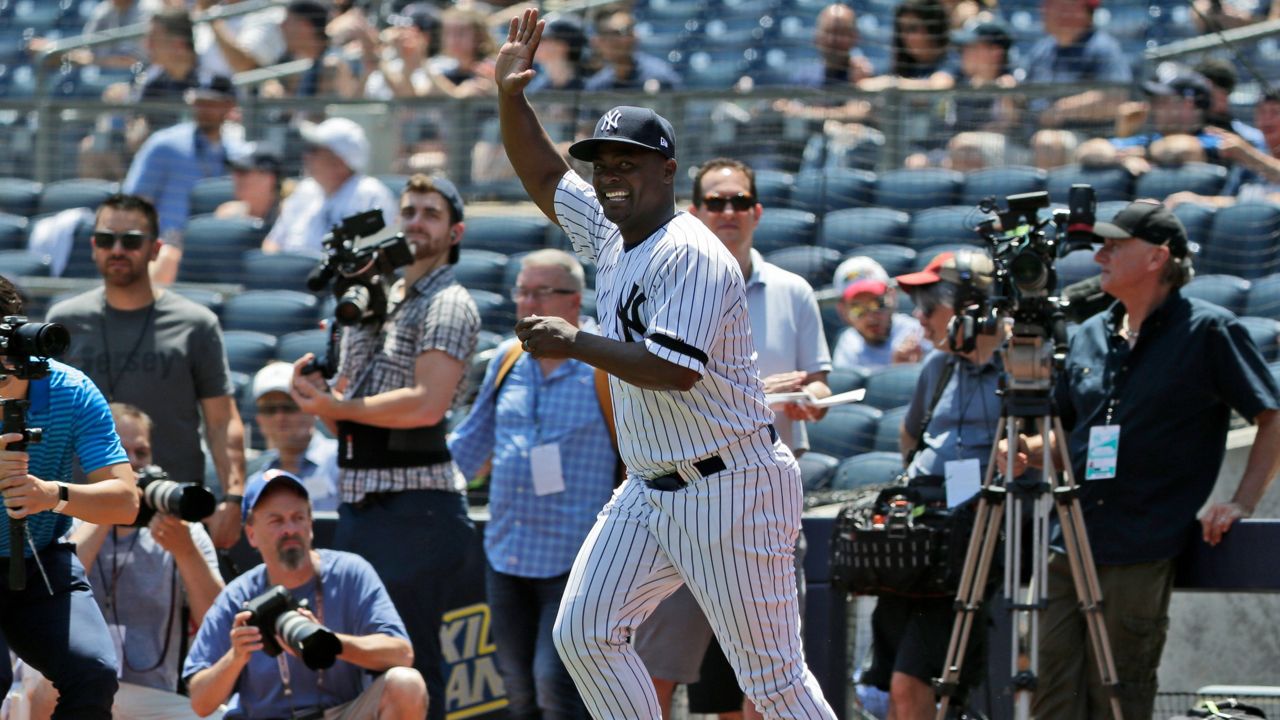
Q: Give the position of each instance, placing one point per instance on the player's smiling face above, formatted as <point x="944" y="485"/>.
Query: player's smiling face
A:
<point x="634" y="186"/>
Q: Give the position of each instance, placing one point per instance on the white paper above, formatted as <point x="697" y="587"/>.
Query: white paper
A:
<point x="777" y="400"/>
<point x="1104" y="451"/>
<point x="963" y="480"/>
<point x="547" y="476"/>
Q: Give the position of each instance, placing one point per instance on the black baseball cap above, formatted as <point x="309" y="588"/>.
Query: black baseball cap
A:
<point x="628" y="125"/>
<point x="254" y="156"/>
<point x="1186" y="84"/>
<point x="211" y="87"/>
<point x="986" y="31"/>
<point x="1150" y="221"/>
<point x="314" y="12"/>
<point x="423" y="16"/>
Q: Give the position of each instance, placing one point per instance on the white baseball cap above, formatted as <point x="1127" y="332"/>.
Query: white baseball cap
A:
<point x="342" y="136"/>
<point x="275" y="377"/>
<point x="856" y="269"/>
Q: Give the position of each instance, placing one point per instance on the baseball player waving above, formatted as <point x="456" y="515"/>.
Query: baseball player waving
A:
<point x="712" y="498"/>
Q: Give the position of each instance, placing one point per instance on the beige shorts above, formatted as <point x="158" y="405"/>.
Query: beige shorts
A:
<point x="364" y="707"/>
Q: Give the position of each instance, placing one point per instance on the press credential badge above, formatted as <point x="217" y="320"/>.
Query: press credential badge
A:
<point x="1104" y="450"/>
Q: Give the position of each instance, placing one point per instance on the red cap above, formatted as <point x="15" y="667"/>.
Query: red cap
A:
<point x="865" y="287"/>
<point x="1092" y="4"/>
<point x="929" y="275"/>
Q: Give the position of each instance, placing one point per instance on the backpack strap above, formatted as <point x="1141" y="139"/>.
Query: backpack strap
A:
<point x="508" y="361"/>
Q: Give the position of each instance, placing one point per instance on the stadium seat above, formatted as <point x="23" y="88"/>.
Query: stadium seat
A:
<point x="1108" y="210"/>
<point x="248" y="351"/>
<point x="824" y="191"/>
<point x="714" y="69"/>
<point x="895" y="259"/>
<point x="1076" y="266"/>
<point x="1264" y="297"/>
<point x="276" y="312"/>
<point x="918" y="189"/>
<point x="497" y="312"/>
<point x="1162" y="181"/>
<point x="735" y="29"/>
<point x="848" y="230"/>
<point x="668" y="8"/>
<point x="481" y="270"/>
<point x="296" y="344"/>
<point x="19" y="196"/>
<point x="816" y="470"/>
<point x="892" y="386"/>
<point x="1266" y="334"/>
<point x="782" y="228"/>
<point x="1244" y="240"/>
<point x="13" y="232"/>
<point x="476" y="368"/>
<point x="1000" y="182"/>
<point x="842" y="380"/>
<point x="209" y="193"/>
<point x="660" y="35"/>
<point x="871" y="468"/>
<point x="505" y="233"/>
<point x="213" y="248"/>
<point x="1111" y="183"/>
<point x="774" y="189"/>
<point x="1197" y="219"/>
<point x="20" y="263"/>
<point x="80" y="260"/>
<point x="846" y="430"/>
<point x="210" y="299"/>
<point x="814" y="264"/>
<point x="67" y="194"/>
<point x="945" y="225"/>
<point x="278" y="271"/>
<point x="394" y="183"/>
<point x="888" y="431"/>
<point x="1226" y="291"/>
<point x="488" y="339"/>
<point x="509" y="190"/>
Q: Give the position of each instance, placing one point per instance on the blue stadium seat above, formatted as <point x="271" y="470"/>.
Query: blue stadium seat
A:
<point x="296" y="344"/>
<point x="1162" y="181"/>
<point x="892" y="386"/>
<point x="668" y="8"/>
<point x="275" y="312"/>
<point x="1076" y="266"/>
<point x="1226" y="291"/>
<point x="887" y="432"/>
<point x="832" y="326"/>
<point x="660" y="35"/>
<point x="895" y="259"/>
<point x="774" y="189"/>
<point x="213" y="247"/>
<point x="1000" y="182"/>
<point x="945" y="225"/>
<point x="816" y="470"/>
<point x="842" y="380"/>
<point x="20" y="263"/>
<point x="488" y="339"/>
<point x="1244" y="240"/>
<point x="824" y="191"/>
<point x="82" y="192"/>
<point x="481" y="270"/>
<point x="714" y="69"/>
<point x="277" y="271"/>
<point x="19" y="196"/>
<point x="210" y="299"/>
<point x="80" y="260"/>
<point x="506" y="234"/>
<point x="1264" y="297"/>
<point x="209" y="193"/>
<point x="781" y="228"/>
<point x="13" y="232"/>
<point x="1110" y="182"/>
<point x="248" y="351"/>
<point x="497" y="312"/>
<point x="394" y="183"/>
<point x="848" y="230"/>
<point x="918" y="189"/>
<point x="1109" y="209"/>
<point x="734" y="30"/>
<point x="509" y="190"/>
<point x="1266" y="334"/>
<point x="846" y="430"/>
<point x="814" y="264"/>
<point x="871" y="468"/>
<point x="1197" y="219"/>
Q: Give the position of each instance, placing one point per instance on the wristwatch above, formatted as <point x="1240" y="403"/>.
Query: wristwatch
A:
<point x="233" y="498"/>
<point x="64" y="494"/>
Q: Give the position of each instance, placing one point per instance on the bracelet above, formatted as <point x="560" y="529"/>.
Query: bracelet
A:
<point x="64" y="494"/>
<point x="233" y="498"/>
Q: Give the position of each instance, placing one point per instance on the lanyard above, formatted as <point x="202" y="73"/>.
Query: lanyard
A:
<point x="112" y="379"/>
<point x="282" y="662"/>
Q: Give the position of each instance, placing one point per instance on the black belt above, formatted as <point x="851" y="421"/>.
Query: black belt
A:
<point x="706" y="467"/>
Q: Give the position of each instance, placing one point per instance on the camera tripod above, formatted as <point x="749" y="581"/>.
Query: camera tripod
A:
<point x="1027" y="400"/>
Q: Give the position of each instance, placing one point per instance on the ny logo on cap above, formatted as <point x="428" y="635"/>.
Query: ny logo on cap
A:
<point x="609" y="123"/>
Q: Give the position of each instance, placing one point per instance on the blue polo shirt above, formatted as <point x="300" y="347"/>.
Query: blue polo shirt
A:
<point x="963" y="425"/>
<point x="77" y="425"/>
<point x="167" y="168"/>
<point x="1172" y="396"/>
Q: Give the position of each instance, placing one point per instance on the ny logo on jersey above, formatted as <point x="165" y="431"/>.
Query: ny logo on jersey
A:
<point x="609" y="123"/>
<point x="629" y="314"/>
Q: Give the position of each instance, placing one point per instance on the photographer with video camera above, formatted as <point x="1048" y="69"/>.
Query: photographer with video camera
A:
<point x="946" y="438"/>
<point x="54" y="418"/>
<point x="281" y="658"/>
<point x="402" y="359"/>
<point x="135" y="573"/>
<point x="1145" y="399"/>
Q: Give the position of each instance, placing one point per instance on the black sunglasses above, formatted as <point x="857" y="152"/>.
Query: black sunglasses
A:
<point x="131" y="240"/>
<point x="741" y="202"/>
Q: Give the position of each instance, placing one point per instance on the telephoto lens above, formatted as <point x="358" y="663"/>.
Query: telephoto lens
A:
<point x="274" y="613"/>
<point x="188" y="501"/>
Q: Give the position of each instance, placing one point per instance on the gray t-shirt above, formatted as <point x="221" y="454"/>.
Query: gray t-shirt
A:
<point x="163" y="358"/>
<point x="137" y="585"/>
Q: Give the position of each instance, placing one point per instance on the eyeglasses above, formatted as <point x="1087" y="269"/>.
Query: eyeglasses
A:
<point x="741" y="202"/>
<point x="858" y="310"/>
<point x="278" y="409"/>
<point x="539" y="294"/>
<point x="131" y="240"/>
<point x="623" y="31"/>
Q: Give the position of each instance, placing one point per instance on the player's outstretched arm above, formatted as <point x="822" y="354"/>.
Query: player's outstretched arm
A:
<point x="533" y="155"/>
<point x="552" y="337"/>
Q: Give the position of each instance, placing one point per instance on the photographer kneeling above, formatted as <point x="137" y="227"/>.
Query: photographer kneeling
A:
<point x="230" y="654"/>
<point x="946" y="437"/>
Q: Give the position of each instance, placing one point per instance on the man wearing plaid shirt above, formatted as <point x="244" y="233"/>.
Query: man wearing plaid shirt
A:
<point x="403" y="507"/>
<point x="553" y="468"/>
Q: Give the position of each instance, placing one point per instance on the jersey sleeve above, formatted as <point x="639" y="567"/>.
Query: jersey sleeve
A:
<point x="693" y="294"/>
<point x="580" y="215"/>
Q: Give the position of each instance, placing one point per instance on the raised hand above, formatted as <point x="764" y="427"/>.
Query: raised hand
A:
<point x="514" y="67"/>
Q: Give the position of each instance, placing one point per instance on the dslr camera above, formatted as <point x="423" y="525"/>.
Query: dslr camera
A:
<point x="26" y="346"/>
<point x="360" y="259"/>
<point x="189" y="501"/>
<point x="275" y="612"/>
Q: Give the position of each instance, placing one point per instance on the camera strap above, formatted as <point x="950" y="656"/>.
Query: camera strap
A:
<point x="282" y="661"/>
<point x="948" y="369"/>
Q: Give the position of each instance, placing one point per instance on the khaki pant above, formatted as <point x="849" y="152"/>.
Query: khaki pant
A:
<point x="1135" y="609"/>
<point x="364" y="707"/>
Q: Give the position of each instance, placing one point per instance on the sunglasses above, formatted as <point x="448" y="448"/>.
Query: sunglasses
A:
<point x="866" y="308"/>
<point x="741" y="202"/>
<point x="131" y="240"/>
<point x="539" y="294"/>
<point x="278" y="409"/>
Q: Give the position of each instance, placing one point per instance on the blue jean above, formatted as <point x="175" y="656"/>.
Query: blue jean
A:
<point x="63" y="635"/>
<point x="524" y="611"/>
<point x="418" y="542"/>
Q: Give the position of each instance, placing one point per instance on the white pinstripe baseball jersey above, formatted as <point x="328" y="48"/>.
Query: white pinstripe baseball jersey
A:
<point x="682" y="294"/>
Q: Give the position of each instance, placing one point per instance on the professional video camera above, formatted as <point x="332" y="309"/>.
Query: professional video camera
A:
<point x="275" y="612"/>
<point x="27" y="346"/>
<point x="360" y="257"/>
<point x="189" y="501"/>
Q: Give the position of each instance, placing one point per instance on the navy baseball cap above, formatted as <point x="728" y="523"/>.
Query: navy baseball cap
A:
<point x="628" y="125"/>
<point x="254" y="156"/>
<point x="1150" y="221"/>
<point x="985" y="31"/>
<point x="450" y="193"/>
<point x="1186" y="84"/>
<point x="259" y="484"/>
